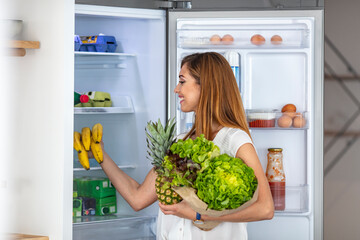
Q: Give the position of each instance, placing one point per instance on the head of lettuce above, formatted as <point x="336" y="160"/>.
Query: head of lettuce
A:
<point x="225" y="183"/>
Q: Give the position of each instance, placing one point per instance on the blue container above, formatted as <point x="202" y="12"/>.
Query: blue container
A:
<point x="100" y="43"/>
<point x="77" y="42"/>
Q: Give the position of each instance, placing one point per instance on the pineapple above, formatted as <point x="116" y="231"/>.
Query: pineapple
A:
<point x="159" y="140"/>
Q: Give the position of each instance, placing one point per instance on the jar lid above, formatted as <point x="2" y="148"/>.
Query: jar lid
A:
<point x="275" y="149"/>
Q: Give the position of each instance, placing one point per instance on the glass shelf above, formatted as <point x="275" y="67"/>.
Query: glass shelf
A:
<point x="114" y="227"/>
<point x="80" y="54"/>
<point x="101" y="60"/>
<point x="121" y="104"/>
<point x="77" y="169"/>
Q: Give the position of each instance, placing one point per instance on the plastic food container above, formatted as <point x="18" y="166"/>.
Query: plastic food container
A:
<point x="98" y="43"/>
<point x="261" y="118"/>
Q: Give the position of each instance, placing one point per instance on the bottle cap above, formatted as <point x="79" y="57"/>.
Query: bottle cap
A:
<point x="275" y="149"/>
<point x="233" y="58"/>
<point x="84" y="98"/>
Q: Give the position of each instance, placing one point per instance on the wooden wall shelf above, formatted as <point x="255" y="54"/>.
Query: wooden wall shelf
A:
<point x="18" y="47"/>
<point x="16" y="236"/>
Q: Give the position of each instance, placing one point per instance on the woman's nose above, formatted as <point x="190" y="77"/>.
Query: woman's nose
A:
<point x="176" y="89"/>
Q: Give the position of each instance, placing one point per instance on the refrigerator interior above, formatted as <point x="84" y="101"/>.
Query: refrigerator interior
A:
<point x="271" y="74"/>
<point x="135" y="77"/>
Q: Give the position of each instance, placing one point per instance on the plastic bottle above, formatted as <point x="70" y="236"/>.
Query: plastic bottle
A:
<point x="234" y="60"/>
<point x="276" y="177"/>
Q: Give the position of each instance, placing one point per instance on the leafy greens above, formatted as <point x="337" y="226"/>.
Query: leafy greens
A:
<point x="226" y="183"/>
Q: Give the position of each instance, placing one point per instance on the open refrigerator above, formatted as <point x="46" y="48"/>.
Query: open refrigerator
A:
<point x="142" y="74"/>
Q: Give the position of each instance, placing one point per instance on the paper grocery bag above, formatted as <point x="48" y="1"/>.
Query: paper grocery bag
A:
<point x="189" y="195"/>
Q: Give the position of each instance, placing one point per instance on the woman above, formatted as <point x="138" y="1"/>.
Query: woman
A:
<point x="207" y="86"/>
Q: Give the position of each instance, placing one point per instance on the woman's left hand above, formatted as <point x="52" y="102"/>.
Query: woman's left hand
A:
<point x="181" y="209"/>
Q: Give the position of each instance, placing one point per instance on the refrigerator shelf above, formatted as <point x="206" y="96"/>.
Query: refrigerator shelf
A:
<point x="296" y="201"/>
<point x="102" y="110"/>
<point x="95" y="54"/>
<point x="121" y="104"/>
<point x="114" y="227"/>
<point x="77" y="169"/>
<point x="100" y="60"/>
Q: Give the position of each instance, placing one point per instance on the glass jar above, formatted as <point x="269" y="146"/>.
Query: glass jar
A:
<point x="276" y="177"/>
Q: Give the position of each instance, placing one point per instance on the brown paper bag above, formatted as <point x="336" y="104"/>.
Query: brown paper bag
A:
<point x="189" y="195"/>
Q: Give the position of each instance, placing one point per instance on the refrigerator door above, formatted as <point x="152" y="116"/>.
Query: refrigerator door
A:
<point x="271" y="74"/>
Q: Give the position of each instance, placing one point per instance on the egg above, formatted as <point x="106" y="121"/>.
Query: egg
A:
<point x="289" y="108"/>
<point x="284" y="121"/>
<point x="257" y="39"/>
<point x="299" y="121"/>
<point x="215" y="39"/>
<point x="290" y="114"/>
<point x="227" y="39"/>
<point x="276" y="40"/>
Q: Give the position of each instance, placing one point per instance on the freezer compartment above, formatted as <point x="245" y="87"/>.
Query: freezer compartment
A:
<point x="114" y="227"/>
<point x="274" y="119"/>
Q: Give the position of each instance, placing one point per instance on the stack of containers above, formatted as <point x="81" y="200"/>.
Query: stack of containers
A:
<point x="98" y="196"/>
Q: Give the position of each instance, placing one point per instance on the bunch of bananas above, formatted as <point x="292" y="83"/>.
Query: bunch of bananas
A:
<point x="89" y="140"/>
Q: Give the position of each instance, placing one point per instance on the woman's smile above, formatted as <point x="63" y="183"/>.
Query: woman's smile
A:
<point x="188" y="91"/>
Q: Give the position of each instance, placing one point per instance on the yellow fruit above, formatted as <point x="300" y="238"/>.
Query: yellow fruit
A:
<point x="77" y="142"/>
<point x="84" y="159"/>
<point x="97" y="151"/>
<point x="86" y="138"/>
<point x="97" y="132"/>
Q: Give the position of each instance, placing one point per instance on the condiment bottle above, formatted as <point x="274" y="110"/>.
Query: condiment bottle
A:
<point x="234" y="60"/>
<point x="276" y="177"/>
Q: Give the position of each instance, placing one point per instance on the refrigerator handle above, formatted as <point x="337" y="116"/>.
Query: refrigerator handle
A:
<point x="173" y="4"/>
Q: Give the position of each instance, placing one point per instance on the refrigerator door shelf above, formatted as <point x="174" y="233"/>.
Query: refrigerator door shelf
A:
<point x="263" y="119"/>
<point x="237" y="34"/>
<point x="296" y="200"/>
<point x="121" y="104"/>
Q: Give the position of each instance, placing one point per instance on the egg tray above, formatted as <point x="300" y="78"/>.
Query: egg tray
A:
<point x="99" y="43"/>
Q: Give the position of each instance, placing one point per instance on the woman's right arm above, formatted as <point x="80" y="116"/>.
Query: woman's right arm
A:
<point x="138" y="196"/>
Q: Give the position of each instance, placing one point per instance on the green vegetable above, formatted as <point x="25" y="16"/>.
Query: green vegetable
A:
<point x="199" y="150"/>
<point x="186" y="158"/>
<point x="225" y="183"/>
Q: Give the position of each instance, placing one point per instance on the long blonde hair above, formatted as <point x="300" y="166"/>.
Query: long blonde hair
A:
<point x="220" y="98"/>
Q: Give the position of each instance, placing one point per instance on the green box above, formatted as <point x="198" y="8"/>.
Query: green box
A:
<point x="106" y="206"/>
<point x="95" y="187"/>
<point x="77" y="207"/>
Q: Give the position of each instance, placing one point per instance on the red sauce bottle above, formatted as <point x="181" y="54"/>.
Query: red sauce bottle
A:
<point x="276" y="177"/>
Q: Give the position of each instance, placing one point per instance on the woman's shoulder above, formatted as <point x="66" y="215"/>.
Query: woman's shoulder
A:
<point x="229" y="132"/>
<point x="231" y="139"/>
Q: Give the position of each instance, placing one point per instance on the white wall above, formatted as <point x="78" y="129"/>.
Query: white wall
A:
<point x="37" y="128"/>
<point x="341" y="185"/>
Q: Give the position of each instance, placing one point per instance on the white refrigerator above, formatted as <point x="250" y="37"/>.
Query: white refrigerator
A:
<point x="141" y="76"/>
